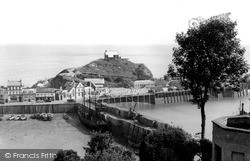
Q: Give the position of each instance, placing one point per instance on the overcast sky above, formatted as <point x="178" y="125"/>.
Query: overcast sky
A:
<point x="109" y="21"/>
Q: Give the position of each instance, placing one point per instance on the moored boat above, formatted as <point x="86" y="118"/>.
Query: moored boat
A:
<point x="92" y="122"/>
<point x="1" y="117"/>
<point x="50" y="116"/>
<point x="12" y="117"/>
<point x="23" y="118"/>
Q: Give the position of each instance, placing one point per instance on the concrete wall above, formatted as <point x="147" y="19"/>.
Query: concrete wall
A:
<point x="38" y="108"/>
<point x="115" y="110"/>
<point x="126" y="123"/>
<point x="147" y="98"/>
<point x="129" y="124"/>
<point x="171" y="97"/>
<point x="231" y="141"/>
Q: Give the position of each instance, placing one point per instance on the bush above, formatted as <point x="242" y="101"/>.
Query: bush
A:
<point x="67" y="155"/>
<point x="171" y="144"/>
<point x="99" y="142"/>
<point x="113" y="153"/>
<point x="101" y="149"/>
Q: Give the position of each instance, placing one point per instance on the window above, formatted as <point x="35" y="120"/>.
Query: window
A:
<point x="217" y="151"/>
<point x="78" y="94"/>
<point x="237" y="156"/>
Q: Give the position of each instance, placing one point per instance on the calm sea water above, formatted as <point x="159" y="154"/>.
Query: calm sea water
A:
<point x="35" y="62"/>
<point x="187" y="115"/>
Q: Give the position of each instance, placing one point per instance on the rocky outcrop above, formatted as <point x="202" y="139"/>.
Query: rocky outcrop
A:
<point x="116" y="72"/>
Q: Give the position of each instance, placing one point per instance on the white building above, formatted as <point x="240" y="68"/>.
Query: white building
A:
<point x="46" y="94"/>
<point x="111" y="54"/>
<point x="97" y="82"/>
<point x="144" y="84"/>
<point x="14" y="89"/>
<point x="76" y="91"/>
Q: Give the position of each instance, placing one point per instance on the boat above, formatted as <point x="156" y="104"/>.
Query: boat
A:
<point x="65" y="116"/>
<point x="12" y="117"/>
<point x="18" y="117"/>
<point x="50" y="116"/>
<point x="92" y="122"/>
<point x="1" y="117"/>
<point x="23" y="117"/>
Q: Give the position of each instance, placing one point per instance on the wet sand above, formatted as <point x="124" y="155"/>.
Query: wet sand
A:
<point x="37" y="134"/>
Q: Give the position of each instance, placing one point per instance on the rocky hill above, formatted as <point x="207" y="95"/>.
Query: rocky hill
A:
<point x="116" y="72"/>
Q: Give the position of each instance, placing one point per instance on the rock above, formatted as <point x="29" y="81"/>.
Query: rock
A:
<point x="116" y="72"/>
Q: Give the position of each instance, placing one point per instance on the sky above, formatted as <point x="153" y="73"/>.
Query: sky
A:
<point x="110" y="21"/>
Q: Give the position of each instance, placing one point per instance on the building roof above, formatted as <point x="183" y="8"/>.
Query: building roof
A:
<point x="111" y="53"/>
<point x="14" y="83"/>
<point x="45" y="90"/>
<point x="223" y="123"/>
<point x="143" y="81"/>
<point x="95" y="80"/>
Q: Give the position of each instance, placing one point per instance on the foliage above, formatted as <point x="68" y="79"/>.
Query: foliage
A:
<point x="67" y="155"/>
<point x="208" y="57"/>
<point x="171" y="144"/>
<point x="206" y="149"/>
<point x="99" y="142"/>
<point x="171" y="71"/>
<point x="101" y="149"/>
<point x="113" y="153"/>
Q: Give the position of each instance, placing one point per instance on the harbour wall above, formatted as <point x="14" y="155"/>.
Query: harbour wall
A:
<point x="38" y="108"/>
<point x="169" y="97"/>
<point x="127" y="123"/>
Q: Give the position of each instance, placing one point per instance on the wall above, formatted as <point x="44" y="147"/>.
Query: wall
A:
<point x="147" y="98"/>
<point x="231" y="141"/>
<point x="38" y="108"/>
<point x="126" y="123"/>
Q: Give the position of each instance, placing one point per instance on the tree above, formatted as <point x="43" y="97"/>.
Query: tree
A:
<point x="171" y="144"/>
<point x="209" y="55"/>
<point x="171" y="71"/>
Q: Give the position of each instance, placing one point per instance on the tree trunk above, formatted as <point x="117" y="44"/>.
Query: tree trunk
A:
<point x="203" y="120"/>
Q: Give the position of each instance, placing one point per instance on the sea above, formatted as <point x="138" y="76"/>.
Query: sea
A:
<point x="31" y="63"/>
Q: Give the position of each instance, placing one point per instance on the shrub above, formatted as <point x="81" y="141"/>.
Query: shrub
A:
<point x="206" y="149"/>
<point x="99" y="142"/>
<point x="113" y="153"/>
<point x="67" y="155"/>
<point x="171" y="144"/>
<point x="101" y="149"/>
